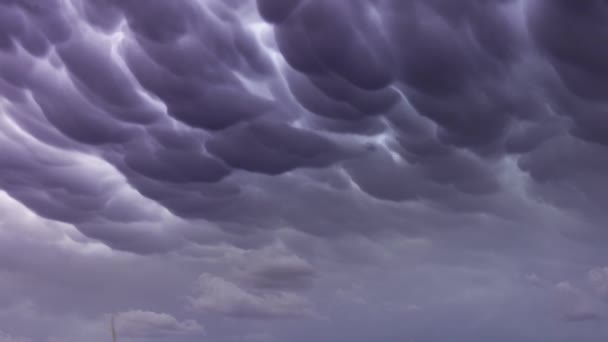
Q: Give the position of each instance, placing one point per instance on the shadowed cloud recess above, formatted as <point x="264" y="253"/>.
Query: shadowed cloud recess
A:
<point x="303" y="170"/>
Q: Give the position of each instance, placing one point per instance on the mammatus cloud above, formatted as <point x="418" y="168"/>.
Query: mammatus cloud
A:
<point x="272" y="153"/>
<point x="217" y="111"/>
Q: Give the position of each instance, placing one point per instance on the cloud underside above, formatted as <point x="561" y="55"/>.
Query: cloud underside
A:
<point x="111" y="115"/>
<point x="251" y="159"/>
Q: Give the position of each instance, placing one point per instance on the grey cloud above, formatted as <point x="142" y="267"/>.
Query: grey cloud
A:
<point x="578" y="306"/>
<point x="146" y="324"/>
<point x="217" y="295"/>
<point x="567" y="172"/>
<point x="598" y="278"/>
<point x="282" y="273"/>
<point x="163" y="102"/>
<point x="274" y="268"/>
<point x="286" y="149"/>
<point x="254" y="337"/>
<point x="275" y="148"/>
<point x="5" y="337"/>
<point x="578" y="57"/>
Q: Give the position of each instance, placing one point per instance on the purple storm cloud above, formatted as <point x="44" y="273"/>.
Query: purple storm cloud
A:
<point x="303" y="170"/>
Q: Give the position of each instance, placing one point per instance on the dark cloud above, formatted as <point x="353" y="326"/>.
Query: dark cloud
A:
<point x="177" y="105"/>
<point x="578" y="56"/>
<point x="280" y="148"/>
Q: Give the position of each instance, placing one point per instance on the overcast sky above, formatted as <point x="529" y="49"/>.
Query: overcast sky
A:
<point x="304" y="170"/>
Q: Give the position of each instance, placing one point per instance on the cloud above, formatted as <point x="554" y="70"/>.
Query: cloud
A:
<point x="4" y="337"/>
<point x="578" y="306"/>
<point x="598" y="278"/>
<point x="284" y="273"/>
<point x="297" y="149"/>
<point x="135" y="94"/>
<point x="534" y="279"/>
<point x="275" y="268"/>
<point x="147" y="324"/>
<point x="254" y="337"/>
<point x="129" y="115"/>
<point x="218" y="295"/>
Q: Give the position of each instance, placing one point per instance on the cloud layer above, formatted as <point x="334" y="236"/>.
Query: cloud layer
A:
<point x="329" y="164"/>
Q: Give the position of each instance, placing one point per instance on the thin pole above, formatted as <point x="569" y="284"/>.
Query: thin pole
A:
<point x="114" y="339"/>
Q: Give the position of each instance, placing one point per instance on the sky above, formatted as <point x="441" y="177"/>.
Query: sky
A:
<point x="303" y="170"/>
